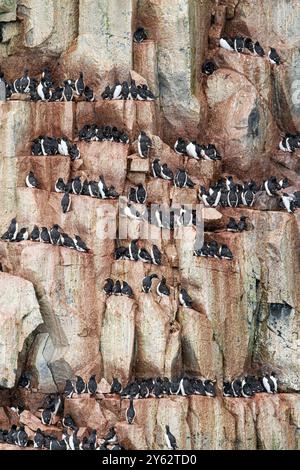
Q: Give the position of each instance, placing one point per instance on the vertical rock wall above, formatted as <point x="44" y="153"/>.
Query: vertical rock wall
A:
<point x="55" y="320"/>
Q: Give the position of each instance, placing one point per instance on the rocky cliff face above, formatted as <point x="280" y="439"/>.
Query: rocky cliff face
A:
<point x="55" y="320"/>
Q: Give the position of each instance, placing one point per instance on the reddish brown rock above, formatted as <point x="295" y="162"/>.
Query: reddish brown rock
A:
<point x="86" y="412"/>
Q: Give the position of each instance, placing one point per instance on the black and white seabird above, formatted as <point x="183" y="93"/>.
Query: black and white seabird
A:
<point x="242" y="224"/>
<point x="89" y="94"/>
<point x="69" y="389"/>
<point x="184" y="298"/>
<point x="38" y="439"/>
<point x="76" y="185"/>
<point x="239" y="44"/>
<point x="180" y="146"/>
<point x="117" y="288"/>
<point x="67" y="242"/>
<point x="108" y="286"/>
<point x="31" y="181"/>
<point x="107" y="93"/>
<point x="156" y="168"/>
<point x="79" y="85"/>
<point x="92" y="385"/>
<point x="12" y="231"/>
<point x="144" y="145"/>
<point x="116" y="386"/>
<point x="287" y="201"/>
<point x="141" y="194"/>
<point x="66" y="202"/>
<point x="126" y="289"/>
<point x="236" y="387"/>
<point x="25" y="82"/>
<point x="68" y="422"/>
<point x="209" y="388"/>
<point x="225" y="253"/>
<point x="117" y="91"/>
<point x="130" y="412"/>
<point x="209" y="67"/>
<point x="111" y="436"/>
<point x="162" y="288"/>
<point x="80" y="244"/>
<point x="47" y="416"/>
<point x="140" y="35"/>
<point x="144" y="256"/>
<point x="24" y="381"/>
<point x="170" y="439"/>
<point x="23" y="235"/>
<point x="63" y="147"/>
<point x="246" y="390"/>
<point x="226" y="43"/>
<point x="227" y="390"/>
<point x="232" y="225"/>
<point x="180" y="178"/>
<point x="55" y="235"/>
<point x="273" y="56"/>
<point x="43" y="90"/>
<point x="193" y="150"/>
<point x="45" y="236"/>
<point x="147" y="283"/>
<point x="133" y="250"/>
<point x="68" y="92"/>
<point x="80" y="386"/>
<point x="22" y="437"/>
<point x="271" y="186"/>
<point x="166" y="173"/>
<point x="270" y="383"/>
<point x="59" y="186"/>
<point x="156" y="255"/>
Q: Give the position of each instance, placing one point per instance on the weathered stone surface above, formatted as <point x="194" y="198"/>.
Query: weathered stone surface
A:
<point x="19" y="316"/>
<point x="117" y="338"/>
<point x="245" y="315"/>
<point x="104" y="44"/>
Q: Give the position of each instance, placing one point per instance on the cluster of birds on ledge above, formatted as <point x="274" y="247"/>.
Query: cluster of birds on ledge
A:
<point x="128" y="91"/>
<point x="53" y="236"/>
<point x="240" y="44"/>
<point x="43" y="89"/>
<point x="227" y="193"/>
<point x="195" y="150"/>
<point x="96" y="133"/>
<point x="117" y="288"/>
<point x="248" y="386"/>
<point x="211" y="249"/>
<point x="163" y="386"/>
<point x="45" y="145"/>
<point x="69" y="440"/>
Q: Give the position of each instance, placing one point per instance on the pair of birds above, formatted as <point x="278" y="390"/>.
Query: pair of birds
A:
<point x="97" y="189"/>
<point x="163" y="386"/>
<point x="194" y="150"/>
<point x="239" y="44"/>
<point x="290" y="143"/>
<point x="248" y="386"/>
<point x="79" y="386"/>
<point x="138" y="194"/>
<point x="180" y="179"/>
<point x="112" y="287"/>
<point x="128" y="91"/>
<point x="45" y="145"/>
<point x="234" y="226"/>
<point x="211" y="249"/>
<point x="134" y="253"/>
<point x="96" y="133"/>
